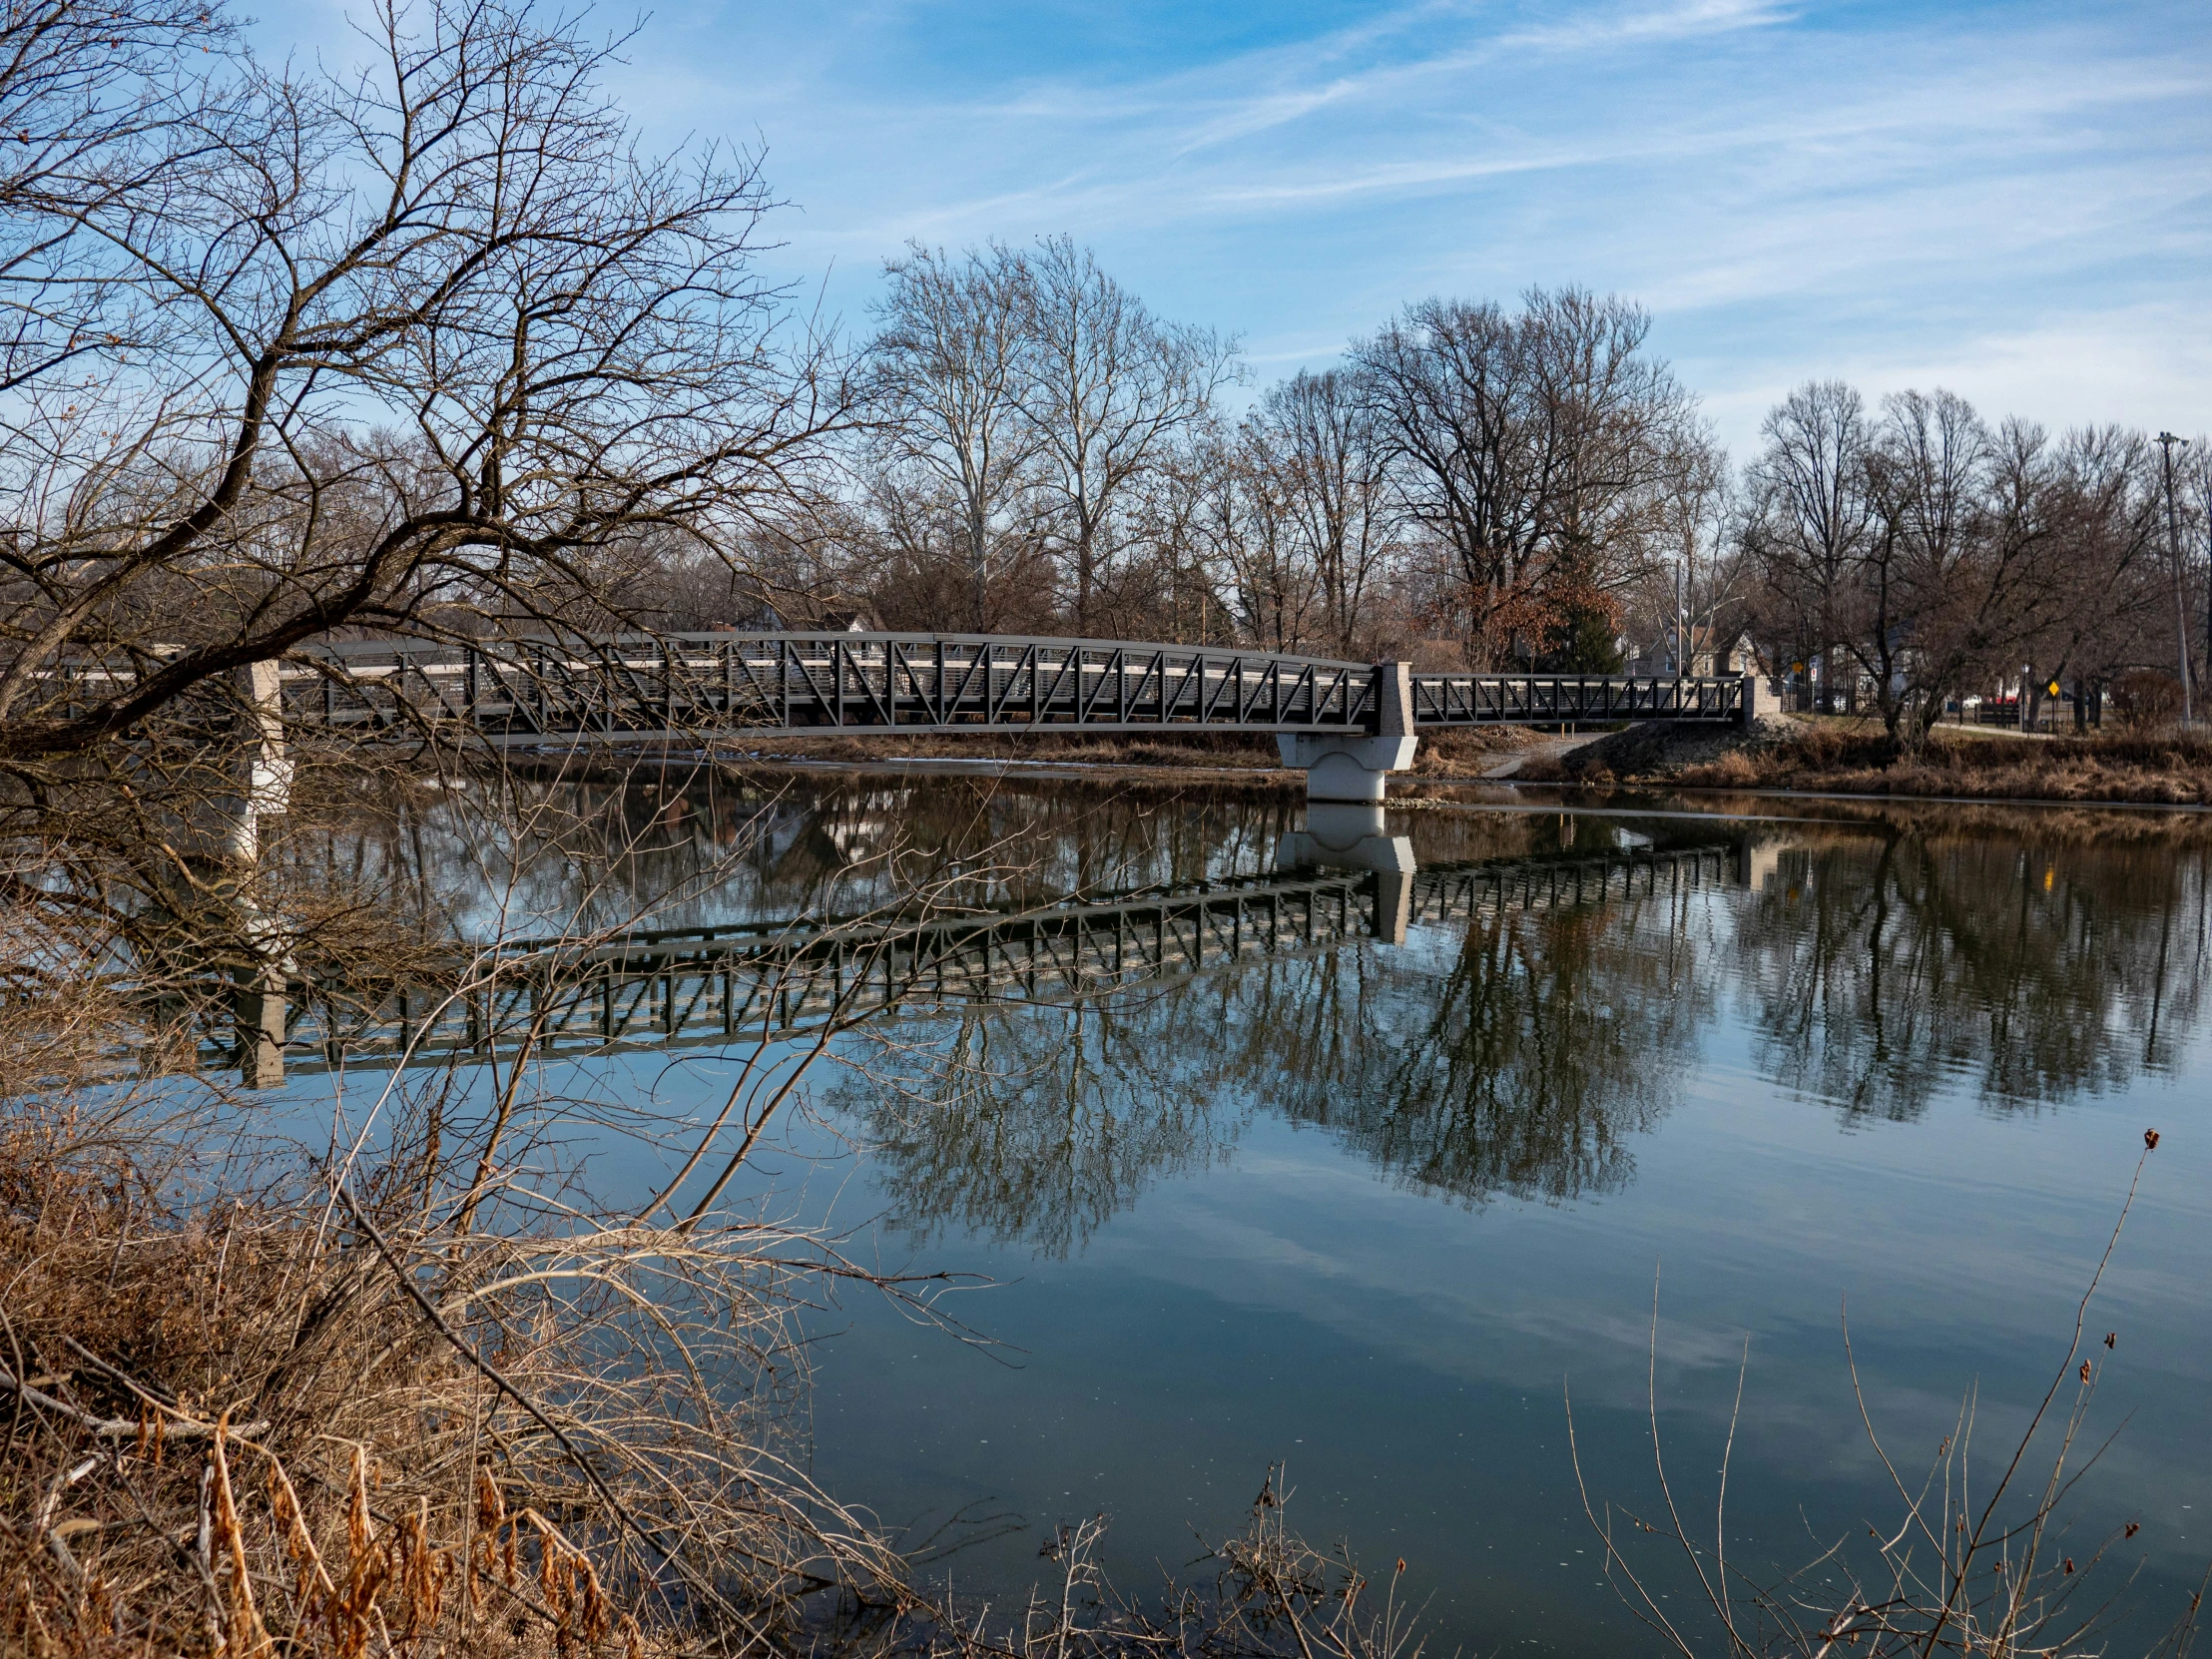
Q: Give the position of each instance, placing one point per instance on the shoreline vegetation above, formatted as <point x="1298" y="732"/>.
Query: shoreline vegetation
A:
<point x="1458" y="754"/>
<point x="1786" y="754"/>
<point x="1845" y="756"/>
<point x="424" y="1393"/>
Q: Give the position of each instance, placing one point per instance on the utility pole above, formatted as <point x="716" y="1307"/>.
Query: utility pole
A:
<point x="2166" y="442"/>
<point x="1681" y="626"/>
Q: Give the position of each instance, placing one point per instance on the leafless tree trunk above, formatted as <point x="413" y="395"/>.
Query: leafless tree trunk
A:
<point x="1316" y="435"/>
<point x="1108" y="388"/>
<point x="1961" y="579"/>
<point x="1537" y="445"/>
<point x="951" y="367"/>
<point x="1806" y="514"/>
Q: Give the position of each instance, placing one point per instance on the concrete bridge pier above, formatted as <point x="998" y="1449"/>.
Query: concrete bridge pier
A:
<point x="1345" y="783"/>
<point x="1345" y="767"/>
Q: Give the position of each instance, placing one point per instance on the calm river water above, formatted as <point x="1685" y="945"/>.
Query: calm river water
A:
<point x="1373" y="1201"/>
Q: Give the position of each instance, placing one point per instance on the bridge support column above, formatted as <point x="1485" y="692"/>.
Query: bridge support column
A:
<point x="1748" y="716"/>
<point x="1347" y="768"/>
<point x="264" y="768"/>
<point x="262" y="1017"/>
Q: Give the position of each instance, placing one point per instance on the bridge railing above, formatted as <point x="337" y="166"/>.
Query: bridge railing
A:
<point x="769" y="979"/>
<point x="781" y="683"/>
<point x="1542" y="699"/>
<point x="643" y="687"/>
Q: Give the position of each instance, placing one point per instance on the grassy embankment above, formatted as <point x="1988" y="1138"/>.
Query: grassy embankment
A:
<point x="1824" y="755"/>
<point x="420" y="1396"/>
<point x="1845" y="756"/>
<point x="1449" y="754"/>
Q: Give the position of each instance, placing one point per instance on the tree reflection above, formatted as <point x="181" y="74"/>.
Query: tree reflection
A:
<point x="518" y="854"/>
<point x="1882" y="968"/>
<point x="1044" y="1124"/>
<point x="1525" y="1067"/>
<point x="1877" y="964"/>
<point x="1521" y="1053"/>
<point x="1516" y="1053"/>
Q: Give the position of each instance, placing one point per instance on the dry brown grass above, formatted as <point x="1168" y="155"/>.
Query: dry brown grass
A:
<point x="1465" y="752"/>
<point x="256" y="1413"/>
<point x="416" y="1391"/>
<point x="1846" y="757"/>
<point x="1211" y="750"/>
<point x="255" y="1422"/>
<point x="2173" y="767"/>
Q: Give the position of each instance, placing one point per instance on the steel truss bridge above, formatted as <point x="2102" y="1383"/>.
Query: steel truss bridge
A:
<point x="569" y="690"/>
<point x="763" y="981"/>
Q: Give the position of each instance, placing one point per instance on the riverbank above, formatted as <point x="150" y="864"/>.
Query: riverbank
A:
<point x="1841" y="755"/>
<point x="1464" y="754"/>
<point x="1788" y="754"/>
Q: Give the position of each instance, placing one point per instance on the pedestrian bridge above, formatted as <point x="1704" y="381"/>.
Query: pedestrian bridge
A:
<point x="1345" y="723"/>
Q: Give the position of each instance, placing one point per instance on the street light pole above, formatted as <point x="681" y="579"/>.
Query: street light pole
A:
<point x="1681" y="629"/>
<point x="2166" y="442"/>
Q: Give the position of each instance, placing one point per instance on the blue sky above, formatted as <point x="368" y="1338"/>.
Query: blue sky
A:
<point x="2012" y="200"/>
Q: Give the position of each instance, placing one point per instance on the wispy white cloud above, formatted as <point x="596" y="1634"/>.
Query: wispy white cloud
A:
<point x="1794" y="186"/>
<point x="1598" y="31"/>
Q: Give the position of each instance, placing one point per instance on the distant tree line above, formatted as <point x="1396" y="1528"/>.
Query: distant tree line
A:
<point x="1486" y="485"/>
<point x="1917" y="553"/>
<point x="1474" y="483"/>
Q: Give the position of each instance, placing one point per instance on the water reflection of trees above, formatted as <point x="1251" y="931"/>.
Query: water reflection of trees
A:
<point x="1880" y="968"/>
<point x="1514" y="1054"/>
<point x="1877" y="964"/>
<point x="1526" y="1064"/>
<point x="1042" y="1124"/>
<point x="1521" y="1053"/>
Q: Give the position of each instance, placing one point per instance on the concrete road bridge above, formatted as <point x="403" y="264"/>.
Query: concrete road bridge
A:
<point x="762" y="981"/>
<point x="1346" y="725"/>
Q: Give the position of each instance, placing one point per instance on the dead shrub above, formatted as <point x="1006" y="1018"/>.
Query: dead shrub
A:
<point x="251" y="1411"/>
<point x="2146" y="700"/>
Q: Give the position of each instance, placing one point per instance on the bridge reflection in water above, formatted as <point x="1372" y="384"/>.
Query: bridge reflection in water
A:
<point x="763" y="981"/>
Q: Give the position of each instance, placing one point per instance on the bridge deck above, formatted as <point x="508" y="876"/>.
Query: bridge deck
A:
<point x="639" y="688"/>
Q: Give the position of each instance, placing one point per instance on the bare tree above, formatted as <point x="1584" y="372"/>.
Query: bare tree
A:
<point x="406" y="349"/>
<point x="1253" y="531"/>
<point x="86" y="89"/>
<point x="950" y="374"/>
<point x="1959" y="573"/>
<point x="2106" y="559"/>
<point x="1108" y="390"/>
<point x="1925" y="481"/>
<point x="1317" y="435"/>
<point x="1537" y="445"/>
<point x="1806" y="514"/>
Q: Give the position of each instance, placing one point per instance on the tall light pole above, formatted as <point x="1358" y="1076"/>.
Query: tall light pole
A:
<point x="1681" y="621"/>
<point x="2166" y="442"/>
